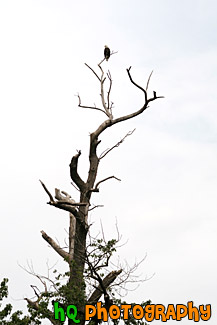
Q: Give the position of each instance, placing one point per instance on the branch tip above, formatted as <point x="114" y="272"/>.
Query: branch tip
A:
<point x="48" y="193"/>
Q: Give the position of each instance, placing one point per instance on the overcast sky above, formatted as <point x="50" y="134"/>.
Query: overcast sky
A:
<point x="165" y="204"/>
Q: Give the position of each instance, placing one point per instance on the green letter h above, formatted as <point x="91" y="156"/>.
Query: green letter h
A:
<point x="58" y="310"/>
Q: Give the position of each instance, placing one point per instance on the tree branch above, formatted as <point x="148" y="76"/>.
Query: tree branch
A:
<point x="63" y="196"/>
<point x="56" y="247"/>
<point x="96" y="189"/>
<point x="148" y="81"/>
<point x="96" y="206"/>
<point x="69" y="207"/>
<point x="91" y="107"/>
<point x="104" y="153"/>
<point x="72" y="226"/>
<point x="46" y="190"/>
<point x="109" y="123"/>
<point x="94" y="71"/>
<point x="65" y="202"/>
<point x="105" y="283"/>
<point x="66" y="199"/>
<point x="109" y="91"/>
<point x="135" y="84"/>
<point x="106" y="108"/>
<point x="102" y="80"/>
<point x="74" y="173"/>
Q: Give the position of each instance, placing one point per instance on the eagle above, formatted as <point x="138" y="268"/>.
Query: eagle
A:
<point x="107" y="52"/>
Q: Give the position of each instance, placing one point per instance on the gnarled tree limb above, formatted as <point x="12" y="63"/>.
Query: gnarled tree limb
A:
<point x="56" y="247"/>
<point x="65" y="202"/>
<point x="74" y="173"/>
<point x="106" y="282"/>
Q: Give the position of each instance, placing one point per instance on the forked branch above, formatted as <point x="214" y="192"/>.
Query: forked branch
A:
<point x="64" y="201"/>
<point x="107" y="107"/>
<point x="109" y="123"/>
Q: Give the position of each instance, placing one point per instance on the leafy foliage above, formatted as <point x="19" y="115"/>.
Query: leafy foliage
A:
<point x="6" y="315"/>
<point x="100" y="252"/>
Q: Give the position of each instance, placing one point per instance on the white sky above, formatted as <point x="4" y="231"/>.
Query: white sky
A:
<point x="166" y="202"/>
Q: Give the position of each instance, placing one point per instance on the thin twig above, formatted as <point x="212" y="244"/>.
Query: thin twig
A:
<point x="105" y="179"/>
<point x="93" y="71"/>
<point x="148" y="81"/>
<point x="101" y="62"/>
<point x="96" y="206"/>
<point x="104" y="153"/>
<point x="75" y="187"/>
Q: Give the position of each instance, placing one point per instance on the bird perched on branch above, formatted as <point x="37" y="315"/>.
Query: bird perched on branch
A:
<point x="107" y="52"/>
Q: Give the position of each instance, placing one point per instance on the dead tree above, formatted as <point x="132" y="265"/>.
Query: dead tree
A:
<point x="77" y="256"/>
